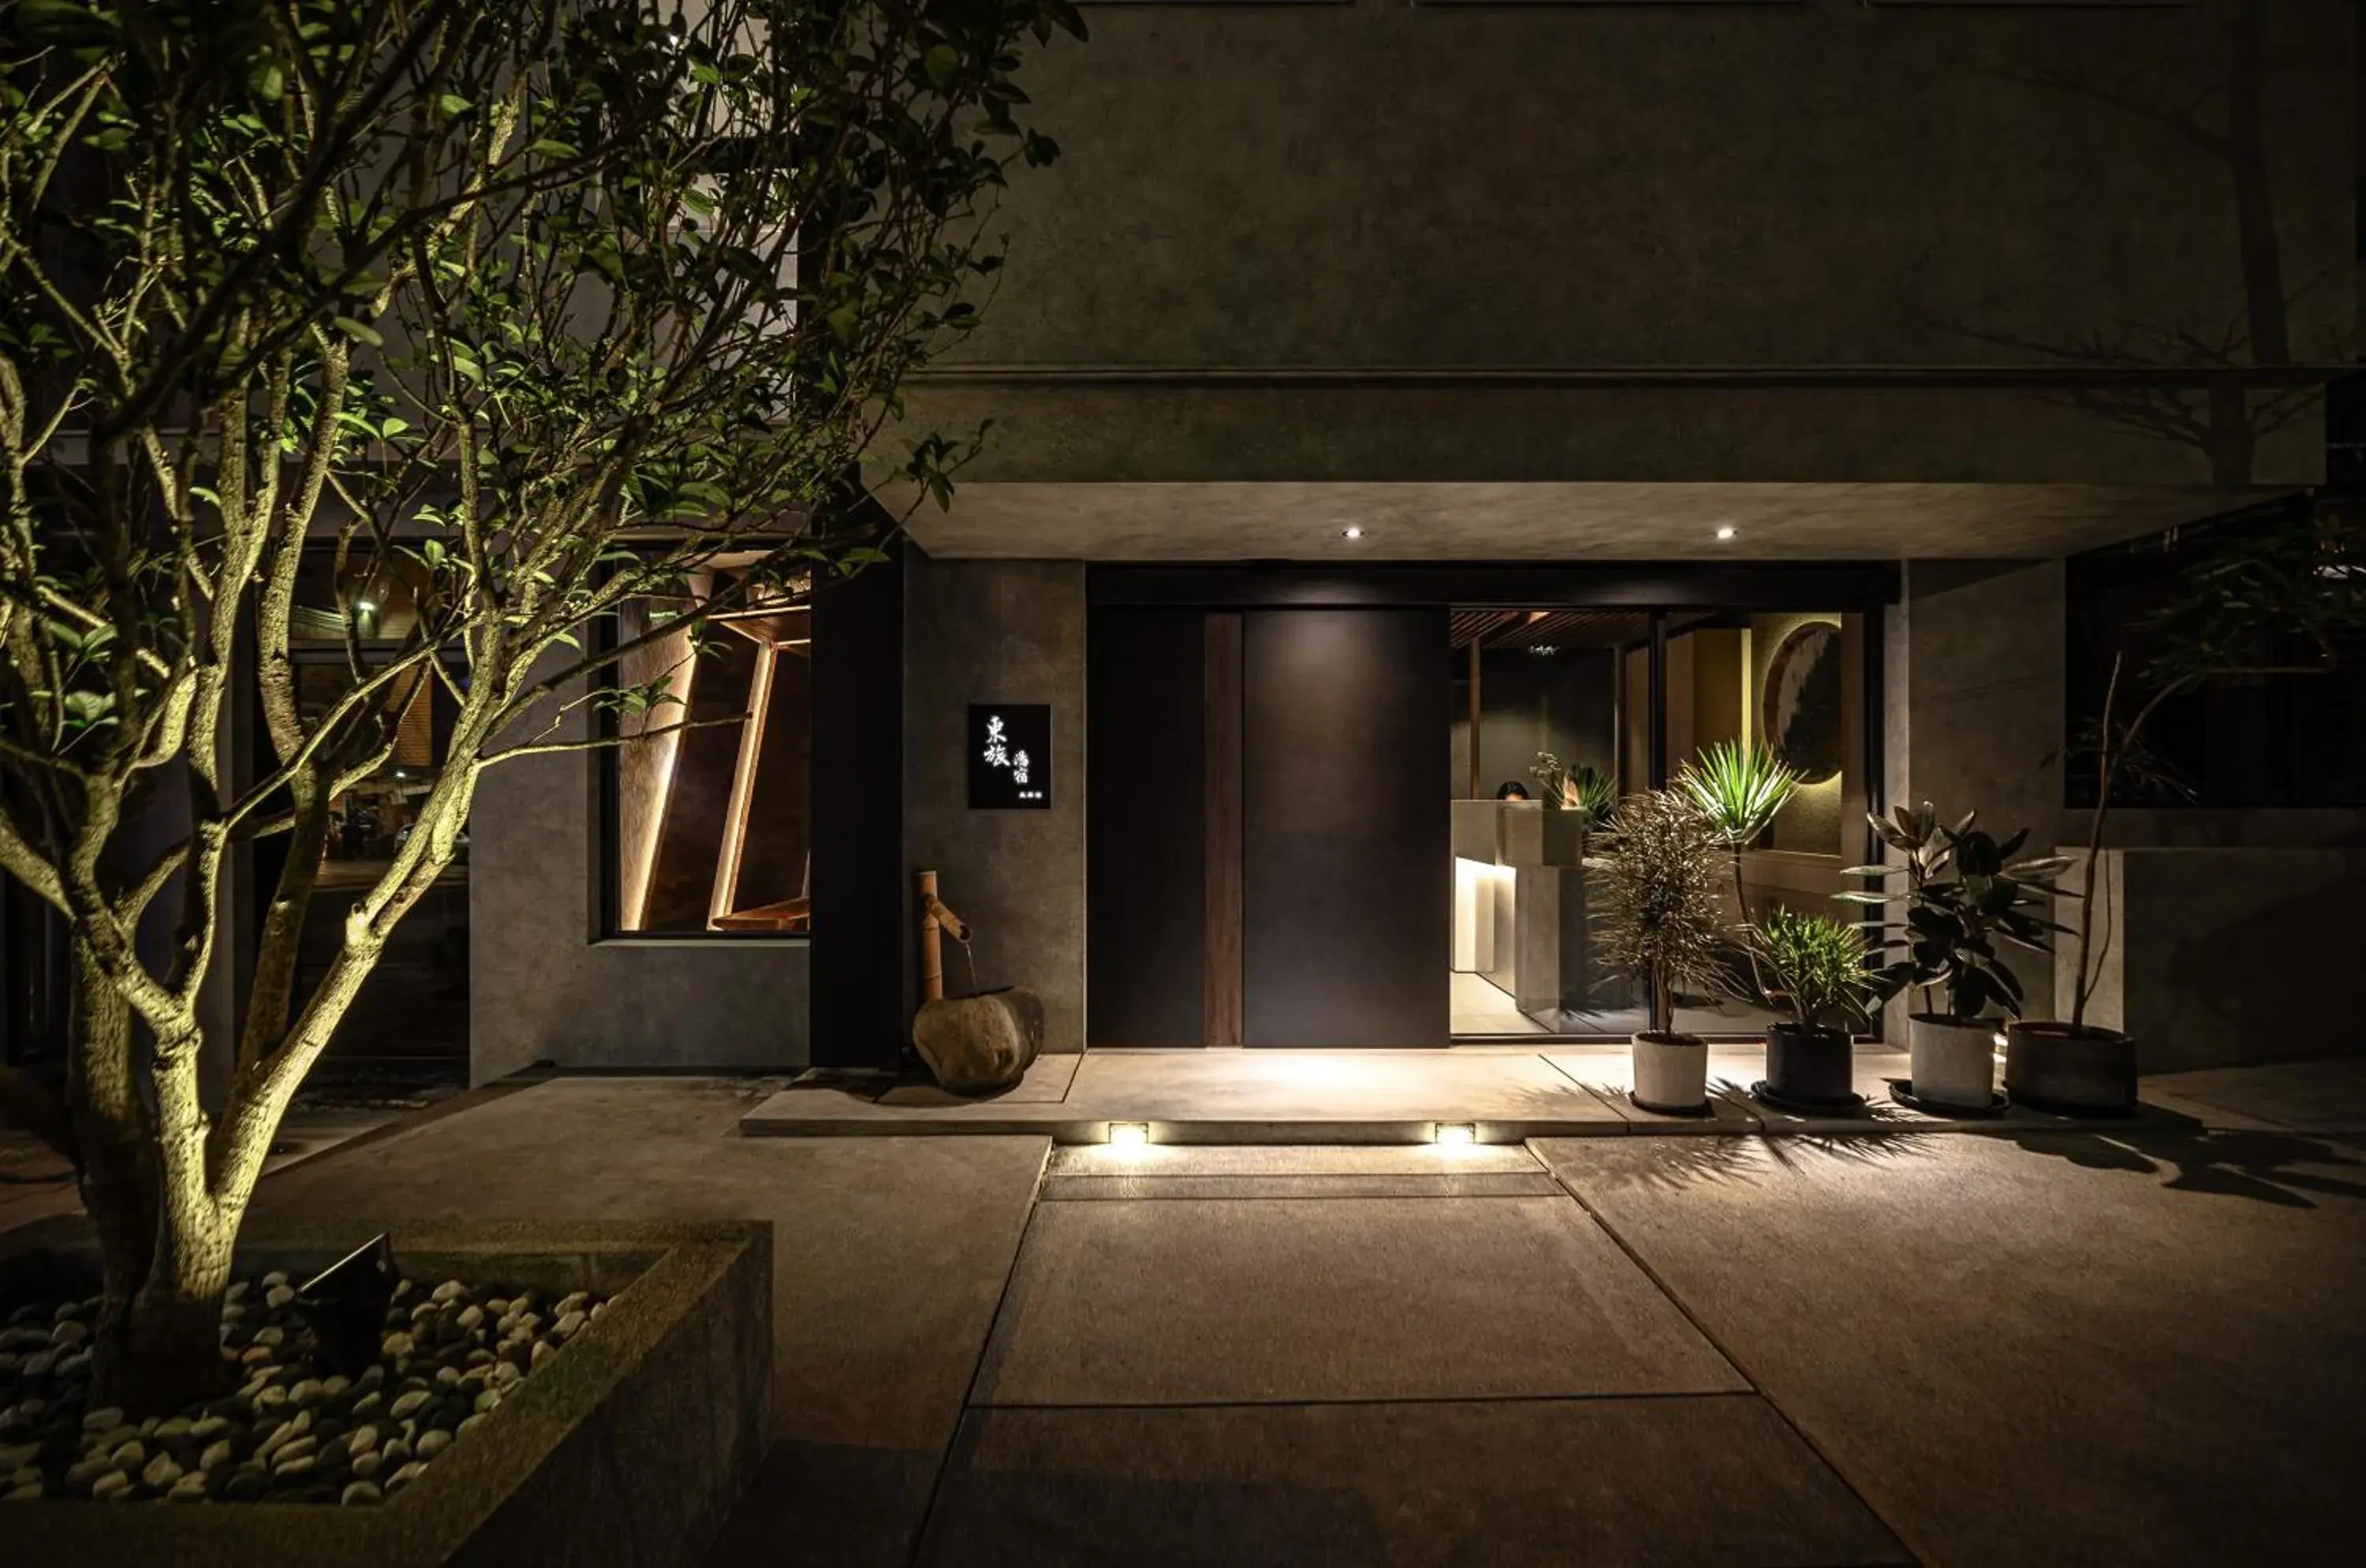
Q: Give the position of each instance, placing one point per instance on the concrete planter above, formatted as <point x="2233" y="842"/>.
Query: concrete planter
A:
<point x="2090" y="1073"/>
<point x="1671" y="1072"/>
<point x="979" y="1043"/>
<point x="1810" y="1066"/>
<point x="628" y="1447"/>
<point x="1952" y="1064"/>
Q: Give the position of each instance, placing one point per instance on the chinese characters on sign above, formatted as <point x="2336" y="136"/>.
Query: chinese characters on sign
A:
<point x="1009" y="756"/>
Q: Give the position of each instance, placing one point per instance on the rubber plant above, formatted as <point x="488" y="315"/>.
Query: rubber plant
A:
<point x="1964" y="895"/>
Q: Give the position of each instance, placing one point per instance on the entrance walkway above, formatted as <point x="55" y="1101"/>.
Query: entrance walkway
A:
<point x="2130" y="1344"/>
<point x="1503" y="1093"/>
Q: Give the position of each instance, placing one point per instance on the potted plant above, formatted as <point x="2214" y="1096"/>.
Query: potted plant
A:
<point x="1580" y="789"/>
<point x="2285" y="598"/>
<point x="1659" y="920"/>
<point x="1948" y="944"/>
<point x="1739" y="788"/>
<point x="1816" y="966"/>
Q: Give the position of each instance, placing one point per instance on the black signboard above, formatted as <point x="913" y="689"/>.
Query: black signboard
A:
<point x="1011" y="756"/>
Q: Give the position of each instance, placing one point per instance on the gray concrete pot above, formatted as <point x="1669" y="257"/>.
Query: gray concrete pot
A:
<point x="979" y="1043"/>
<point x="1953" y="1064"/>
<point x="2090" y="1072"/>
<point x="1671" y="1072"/>
<point x="1810" y="1066"/>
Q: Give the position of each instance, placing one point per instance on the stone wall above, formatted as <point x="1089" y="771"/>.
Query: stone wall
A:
<point x="542" y="986"/>
<point x="2222" y="957"/>
<point x="1010" y="631"/>
<point x="1823" y="184"/>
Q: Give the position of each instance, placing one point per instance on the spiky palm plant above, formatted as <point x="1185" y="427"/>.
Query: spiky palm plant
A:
<point x="1656" y="898"/>
<point x="1739" y="788"/>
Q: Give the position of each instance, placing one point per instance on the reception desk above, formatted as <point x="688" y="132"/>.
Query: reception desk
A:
<point x="1521" y="919"/>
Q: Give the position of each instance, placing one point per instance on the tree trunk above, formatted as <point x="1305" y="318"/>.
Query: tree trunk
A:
<point x="170" y="1353"/>
<point x="116" y="1168"/>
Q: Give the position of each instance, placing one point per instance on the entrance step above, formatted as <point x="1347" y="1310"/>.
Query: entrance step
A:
<point x="1476" y="1095"/>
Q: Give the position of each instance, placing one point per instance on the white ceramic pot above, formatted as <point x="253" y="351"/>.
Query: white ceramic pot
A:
<point x="1671" y="1072"/>
<point x="1953" y="1064"/>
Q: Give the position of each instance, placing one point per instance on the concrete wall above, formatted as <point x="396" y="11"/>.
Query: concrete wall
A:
<point x="1972" y="709"/>
<point x="540" y="986"/>
<point x="1000" y="631"/>
<point x="2219" y="957"/>
<point x="1812" y="185"/>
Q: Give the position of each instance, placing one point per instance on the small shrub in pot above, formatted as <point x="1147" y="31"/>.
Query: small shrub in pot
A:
<point x="1658" y="918"/>
<point x="1815" y="972"/>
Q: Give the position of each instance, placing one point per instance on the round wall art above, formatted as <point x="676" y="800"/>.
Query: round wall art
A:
<point x="1800" y="710"/>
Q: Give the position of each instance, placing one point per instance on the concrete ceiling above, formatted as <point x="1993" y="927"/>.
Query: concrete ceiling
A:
<point x="1259" y="521"/>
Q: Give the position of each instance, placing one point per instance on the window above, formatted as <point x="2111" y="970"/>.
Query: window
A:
<point x="709" y="798"/>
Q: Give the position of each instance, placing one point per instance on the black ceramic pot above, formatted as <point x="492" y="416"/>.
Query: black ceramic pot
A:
<point x="1809" y="1064"/>
<point x="2086" y="1072"/>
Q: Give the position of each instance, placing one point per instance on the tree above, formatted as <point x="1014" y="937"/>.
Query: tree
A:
<point x="551" y="308"/>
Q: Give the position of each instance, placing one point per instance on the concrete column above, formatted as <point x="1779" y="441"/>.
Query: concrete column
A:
<point x="1972" y="709"/>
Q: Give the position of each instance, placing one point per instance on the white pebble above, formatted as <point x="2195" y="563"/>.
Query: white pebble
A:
<point x="361" y="1492"/>
<point x="279" y="1296"/>
<point x="433" y="1441"/>
<point x="114" y="1483"/>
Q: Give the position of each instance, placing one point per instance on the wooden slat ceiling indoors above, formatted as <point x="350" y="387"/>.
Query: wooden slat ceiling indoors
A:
<point x="1555" y="628"/>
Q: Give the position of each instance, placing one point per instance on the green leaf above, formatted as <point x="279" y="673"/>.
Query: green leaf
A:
<point x="360" y="332"/>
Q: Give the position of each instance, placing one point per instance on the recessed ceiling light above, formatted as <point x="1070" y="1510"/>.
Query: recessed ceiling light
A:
<point x="1726" y="532"/>
<point x="1351" y="532"/>
<point x="1129" y="1135"/>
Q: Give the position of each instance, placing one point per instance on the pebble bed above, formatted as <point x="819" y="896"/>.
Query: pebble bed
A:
<point x="449" y="1355"/>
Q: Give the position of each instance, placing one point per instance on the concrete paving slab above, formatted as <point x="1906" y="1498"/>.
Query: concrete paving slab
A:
<point x="2140" y="1345"/>
<point x="1255" y="1159"/>
<point x="1326" y="1085"/>
<point x="1712" y="1480"/>
<point x="1045" y="1082"/>
<point x="890" y="1256"/>
<point x="1234" y="1097"/>
<point x="1197" y="1301"/>
<point x="2290" y="1094"/>
<point x="1475" y="1184"/>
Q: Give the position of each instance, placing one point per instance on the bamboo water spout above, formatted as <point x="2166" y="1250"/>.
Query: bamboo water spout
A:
<point x="935" y="919"/>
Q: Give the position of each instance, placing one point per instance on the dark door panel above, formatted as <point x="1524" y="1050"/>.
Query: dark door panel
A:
<point x="1347" y="865"/>
<point x="1145" y="941"/>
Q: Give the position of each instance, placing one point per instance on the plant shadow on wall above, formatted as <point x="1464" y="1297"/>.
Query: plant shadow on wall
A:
<point x="2219" y="113"/>
<point x="2288" y="1170"/>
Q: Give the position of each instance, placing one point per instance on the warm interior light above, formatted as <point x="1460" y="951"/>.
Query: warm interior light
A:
<point x="1726" y="532"/>
<point x="1129" y="1135"/>
<point x="1351" y="532"/>
<point x="1455" y="1133"/>
<point x="365" y="607"/>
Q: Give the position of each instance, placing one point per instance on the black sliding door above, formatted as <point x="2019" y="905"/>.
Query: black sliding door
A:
<point x="1346" y="869"/>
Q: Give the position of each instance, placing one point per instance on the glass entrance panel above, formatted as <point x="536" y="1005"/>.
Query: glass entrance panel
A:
<point x="1557" y="715"/>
